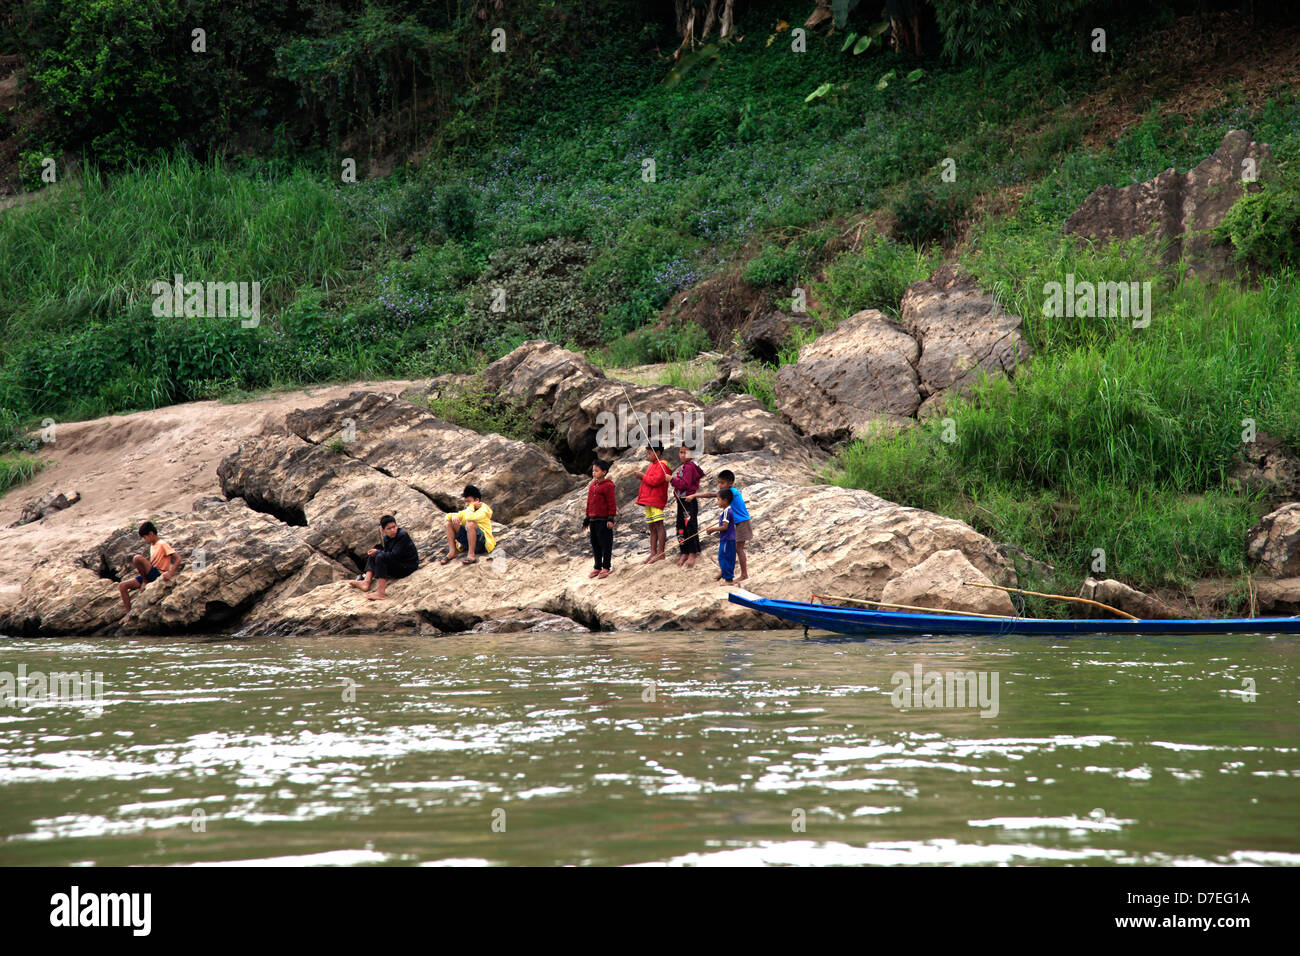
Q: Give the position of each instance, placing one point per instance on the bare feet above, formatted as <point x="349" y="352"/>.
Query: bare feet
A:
<point x="742" y="577"/>
<point x="657" y="557"/>
<point x="360" y="584"/>
<point x="690" y="561"/>
<point x="725" y="581"/>
<point x="718" y="576"/>
<point x="376" y="596"/>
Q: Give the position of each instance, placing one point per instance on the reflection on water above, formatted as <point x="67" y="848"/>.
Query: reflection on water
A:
<point x="711" y="749"/>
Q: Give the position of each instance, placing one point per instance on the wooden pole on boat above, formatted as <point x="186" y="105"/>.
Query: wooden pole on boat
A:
<point x="910" y="607"/>
<point x="1058" y="597"/>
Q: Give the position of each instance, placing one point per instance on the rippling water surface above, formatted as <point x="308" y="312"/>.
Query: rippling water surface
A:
<point x="667" y="748"/>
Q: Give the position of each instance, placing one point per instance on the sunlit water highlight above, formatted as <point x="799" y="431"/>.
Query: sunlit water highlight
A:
<point x="751" y="748"/>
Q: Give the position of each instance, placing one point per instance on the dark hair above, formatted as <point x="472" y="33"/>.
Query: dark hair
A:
<point x="147" y="528"/>
<point x="602" y="465"/>
<point x="727" y="495"/>
<point x="386" y="520"/>
<point x="471" y="492"/>
<point x="657" y="448"/>
<point x="727" y="476"/>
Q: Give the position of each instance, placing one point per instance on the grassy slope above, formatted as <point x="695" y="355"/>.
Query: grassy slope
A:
<point x="380" y="277"/>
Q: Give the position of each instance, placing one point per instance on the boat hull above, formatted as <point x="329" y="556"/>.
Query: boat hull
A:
<point x="864" y="621"/>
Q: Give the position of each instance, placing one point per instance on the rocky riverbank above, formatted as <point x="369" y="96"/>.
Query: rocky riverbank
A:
<point x="300" y="498"/>
<point x="274" y="504"/>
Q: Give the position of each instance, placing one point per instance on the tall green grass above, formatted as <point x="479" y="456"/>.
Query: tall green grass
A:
<point x="93" y="248"/>
<point x="17" y="469"/>
<point x="1110" y="437"/>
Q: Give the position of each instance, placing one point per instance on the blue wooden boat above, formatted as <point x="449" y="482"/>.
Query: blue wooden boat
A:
<point x="865" y="621"/>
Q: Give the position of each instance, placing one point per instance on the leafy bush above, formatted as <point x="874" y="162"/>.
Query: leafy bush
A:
<point x="477" y="406"/>
<point x="874" y="277"/>
<point x="981" y="29"/>
<point x="676" y="343"/>
<point x="1264" y="226"/>
<point x="774" y="265"/>
<point x="533" y="291"/>
<point x="928" y="213"/>
<point x="456" y="213"/>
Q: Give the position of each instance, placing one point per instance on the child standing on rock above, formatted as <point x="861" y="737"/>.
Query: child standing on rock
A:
<point x="653" y="496"/>
<point x="726" y="532"/>
<point x="602" y="512"/>
<point x="686" y="481"/>
<point x="739" y="516"/>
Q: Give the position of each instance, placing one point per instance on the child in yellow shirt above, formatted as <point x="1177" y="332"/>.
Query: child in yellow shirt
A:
<point x="476" y="515"/>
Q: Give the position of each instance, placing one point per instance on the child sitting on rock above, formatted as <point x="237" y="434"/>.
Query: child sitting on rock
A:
<point x="477" y="516"/>
<point x="396" y="557"/>
<point x="162" y="561"/>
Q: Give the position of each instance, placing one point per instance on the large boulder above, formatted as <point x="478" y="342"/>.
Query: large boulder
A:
<point x="436" y="458"/>
<point x="45" y="505"/>
<point x="233" y="556"/>
<point x="1279" y="597"/>
<point x="60" y="598"/>
<point x="962" y="333"/>
<point x="336" y="499"/>
<point x="1124" y="598"/>
<point x="1180" y="210"/>
<point x="585" y="413"/>
<point x="539" y="373"/>
<point x="1268" y="466"/>
<point x="852" y="379"/>
<point x="765" y="335"/>
<point x="870" y="373"/>
<point x="1275" y="542"/>
<point x="940" y="582"/>
<point x="809" y="538"/>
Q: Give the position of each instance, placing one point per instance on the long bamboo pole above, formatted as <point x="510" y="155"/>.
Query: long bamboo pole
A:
<point x="1058" y="597"/>
<point x="910" y="607"/>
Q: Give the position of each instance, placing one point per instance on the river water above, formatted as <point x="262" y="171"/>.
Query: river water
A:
<point x="677" y="748"/>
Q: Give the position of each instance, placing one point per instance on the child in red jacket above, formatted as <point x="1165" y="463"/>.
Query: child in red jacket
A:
<point x="653" y="495"/>
<point x="602" y="512"/>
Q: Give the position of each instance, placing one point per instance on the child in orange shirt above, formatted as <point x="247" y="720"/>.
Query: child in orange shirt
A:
<point x="163" y="561"/>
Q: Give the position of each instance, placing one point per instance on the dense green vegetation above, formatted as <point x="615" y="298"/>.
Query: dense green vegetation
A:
<point x="17" y="468"/>
<point x="399" y="276"/>
<point x="566" y="192"/>
<point x="1112" y="437"/>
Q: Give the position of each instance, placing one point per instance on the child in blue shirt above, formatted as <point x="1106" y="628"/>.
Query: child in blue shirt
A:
<point x="726" y="532"/>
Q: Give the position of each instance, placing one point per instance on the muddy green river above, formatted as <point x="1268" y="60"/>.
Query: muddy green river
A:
<point x="675" y="748"/>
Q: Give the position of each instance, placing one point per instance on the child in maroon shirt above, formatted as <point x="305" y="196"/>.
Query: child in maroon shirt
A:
<point x="686" y="481"/>
<point x="602" y="512"/>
